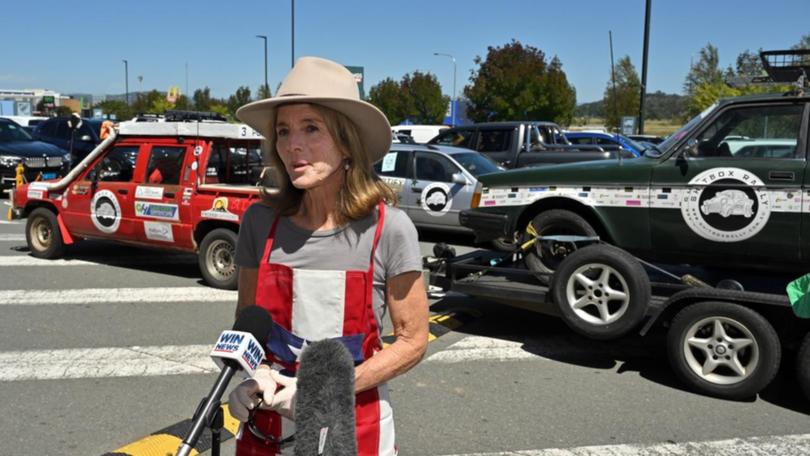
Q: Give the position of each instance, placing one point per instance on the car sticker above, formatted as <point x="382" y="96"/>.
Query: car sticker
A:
<point x="396" y="183"/>
<point x="105" y="212"/>
<point x="436" y="199"/>
<point x="156" y="210"/>
<point x="158" y="231"/>
<point x="65" y="201"/>
<point x="35" y="194"/>
<point x="389" y="162"/>
<point x="187" y="192"/>
<point x="154" y="193"/>
<point x="219" y="210"/>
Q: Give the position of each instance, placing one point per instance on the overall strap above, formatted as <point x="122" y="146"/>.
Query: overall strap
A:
<point x="268" y="246"/>
<point x="377" y="233"/>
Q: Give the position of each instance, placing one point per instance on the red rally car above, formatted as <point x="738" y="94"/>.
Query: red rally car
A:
<point x="167" y="185"/>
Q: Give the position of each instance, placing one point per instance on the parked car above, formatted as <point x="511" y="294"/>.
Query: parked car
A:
<point x="420" y="133"/>
<point x="700" y="197"/>
<point x="523" y="143"/>
<point x="56" y="131"/>
<point x="652" y="139"/>
<point x="40" y="160"/>
<point x="604" y="139"/>
<point x="27" y="122"/>
<point x="434" y="183"/>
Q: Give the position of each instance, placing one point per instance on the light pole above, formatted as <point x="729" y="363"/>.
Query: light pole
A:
<point x="292" y="33"/>
<point x="126" y="79"/>
<point x="266" y="87"/>
<point x="453" y="99"/>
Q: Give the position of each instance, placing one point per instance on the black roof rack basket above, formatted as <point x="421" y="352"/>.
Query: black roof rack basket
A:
<point x="788" y="66"/>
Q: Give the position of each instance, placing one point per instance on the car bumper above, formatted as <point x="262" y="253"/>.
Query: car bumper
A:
<point x="486" y="226"/>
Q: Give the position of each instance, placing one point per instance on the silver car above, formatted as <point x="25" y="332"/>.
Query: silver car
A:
<point x="434" y="183"/>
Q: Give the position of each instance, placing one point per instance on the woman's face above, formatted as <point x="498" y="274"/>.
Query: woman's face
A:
<point x="305" y="146"/>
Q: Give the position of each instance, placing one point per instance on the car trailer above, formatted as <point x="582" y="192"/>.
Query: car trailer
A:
<point x="721" y="341"/>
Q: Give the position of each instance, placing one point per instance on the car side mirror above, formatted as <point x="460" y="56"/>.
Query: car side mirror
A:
<point x="459" y="178"/>
<point x="690" y="149"/>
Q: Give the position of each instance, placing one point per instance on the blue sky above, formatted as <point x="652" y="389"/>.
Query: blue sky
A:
<point x="77" y="46"/>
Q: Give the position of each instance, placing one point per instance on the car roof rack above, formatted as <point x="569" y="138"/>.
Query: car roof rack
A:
<point x="193" y="116"/>
<point x="791" y="66"/>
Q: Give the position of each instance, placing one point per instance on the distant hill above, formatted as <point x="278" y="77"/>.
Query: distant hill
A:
<point x="659" y="105"/>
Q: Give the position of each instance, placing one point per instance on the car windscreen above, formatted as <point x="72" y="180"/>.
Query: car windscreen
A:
<point x="477" y="164"/>
<point x="678" y="135"/>
<point x="633" y="144"/>
<point x="10" y="131"/>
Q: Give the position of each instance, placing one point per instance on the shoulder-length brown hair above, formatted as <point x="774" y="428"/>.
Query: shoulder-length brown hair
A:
<point x="362" y="189"/>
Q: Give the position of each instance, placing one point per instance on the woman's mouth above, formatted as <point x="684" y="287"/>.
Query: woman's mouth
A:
<point x="299" y="165"/>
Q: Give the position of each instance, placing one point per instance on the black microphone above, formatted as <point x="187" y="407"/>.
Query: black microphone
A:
<point x="324" y="406"/>
<point x="238" y="349"/>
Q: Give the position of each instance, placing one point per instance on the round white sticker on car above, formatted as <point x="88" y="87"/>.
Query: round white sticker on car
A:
<point x="726" y="205"/>
<point x="105" y="212"/>
<point x="436" y="199"/>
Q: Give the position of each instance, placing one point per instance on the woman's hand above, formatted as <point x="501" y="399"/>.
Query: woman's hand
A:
<point x="408" y="307"/>
<point x="245" y="397"/>
<point x="283" y="401"/>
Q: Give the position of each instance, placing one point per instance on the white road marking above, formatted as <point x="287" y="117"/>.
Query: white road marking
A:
<point x="478" y="348"/>
<point x="12" y="238"/>
<point x="786" y="445"/>
<point x="25" y="260"/>
<point x="13" y="222"/>
<point x="105" y="362"/>
<point x="7" y="203"/>
<point x="115" y="295"/>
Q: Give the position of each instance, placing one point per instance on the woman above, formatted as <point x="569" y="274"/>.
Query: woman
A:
<point x="326" y="256"/>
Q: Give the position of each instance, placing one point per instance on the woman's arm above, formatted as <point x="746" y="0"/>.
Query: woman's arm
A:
<point x="408" y="307"/>
<point x="248" y="277"/>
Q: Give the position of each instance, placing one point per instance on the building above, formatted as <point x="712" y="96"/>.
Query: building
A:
<point x="24" y="102"/>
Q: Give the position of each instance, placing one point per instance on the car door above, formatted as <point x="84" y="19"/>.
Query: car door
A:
<point x="158" y="196"/>
<point x="436" y="202"/>
<point x="100" y="203"/>
<point x="498" y="143"/>
<point x="733" y="192"/>
<point x="396" y="169"/>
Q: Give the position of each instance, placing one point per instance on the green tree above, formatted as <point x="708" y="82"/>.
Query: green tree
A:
<point x="182" y="103"/>
<point x="625" y="100"/>
<point x="263" y="92"/>
<point x="221" y="109"/>
<point x="514" y="82"/>
<point x="425" y="102"/>
<point x="202" y="99"/>
<point x="118" y="108"/>
<point x="804" y="42"/>
<point x="388" y="96"/>
<point x="146" y="102"/>
<point x="240" y="98"/>
<point x="160" y="106"/>
<point x="705" y="71"/>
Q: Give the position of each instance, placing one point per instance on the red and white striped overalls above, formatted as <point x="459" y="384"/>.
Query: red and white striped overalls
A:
<point x="316" y="305"/>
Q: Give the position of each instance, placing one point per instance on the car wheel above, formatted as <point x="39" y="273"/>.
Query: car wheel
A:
<point x="217" y="259"/>
<point x="543" y="258"/>
<point x="505" y="244"/>
<point x="602" y="291"/>
<point x="723" y="349"/>
<point x="803" y="366"/>
<point x="42" y="234"/>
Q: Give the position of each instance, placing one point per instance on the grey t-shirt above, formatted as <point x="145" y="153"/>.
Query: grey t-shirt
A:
<point x="344" y="248"/>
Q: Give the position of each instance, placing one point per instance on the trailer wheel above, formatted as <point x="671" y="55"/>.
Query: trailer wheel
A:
<point x="803" y="366"/>
<point x="723" y="349"/>
<point x="542" y="259"/>
<point x="217" y="259"/>
<point x="42" y="234"/>
<point x="601" y="291"/>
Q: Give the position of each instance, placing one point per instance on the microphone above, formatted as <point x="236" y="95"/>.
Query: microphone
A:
<point x="237" y="349"/>
<point x="324" y="407"/>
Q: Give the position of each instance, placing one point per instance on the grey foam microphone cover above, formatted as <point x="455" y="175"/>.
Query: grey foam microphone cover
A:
<point x="324" y="407"/>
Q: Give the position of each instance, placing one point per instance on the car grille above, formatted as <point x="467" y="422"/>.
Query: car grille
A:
<point x="43" y="162"/>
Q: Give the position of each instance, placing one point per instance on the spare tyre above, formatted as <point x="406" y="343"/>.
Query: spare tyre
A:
<point x="602" y="291"/>
<point x="543" y="258"/>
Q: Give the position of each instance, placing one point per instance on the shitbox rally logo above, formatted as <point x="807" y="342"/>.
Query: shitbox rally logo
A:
<point x="105" y="211"/>
<point x="436" y="199"/>
<point x="726" y="205"/>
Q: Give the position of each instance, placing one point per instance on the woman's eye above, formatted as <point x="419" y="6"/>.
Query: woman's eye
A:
<point x="311" y="128"/>
<point x="282" y="132"/>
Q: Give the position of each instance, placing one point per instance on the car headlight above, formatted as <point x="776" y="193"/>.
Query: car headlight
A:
<point x="10" y="161"/>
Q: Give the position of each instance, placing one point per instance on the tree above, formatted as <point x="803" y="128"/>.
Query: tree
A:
<point x="118" y="108"/>
<point x="263" y="92"/>
<point x="219" y="108"/>
<point x="202" y="99"/>
<point x="388" y="96"/>
<point x="804" y="42"/>
<point x="240" y="98"/>
<point x="425" y="102"/>
<point x="749" y="64"/>
<point x="705" y="71"/>
<point x="625" y="100"/>
<point x="182" y="103"/>
<point x="514" y="82"/>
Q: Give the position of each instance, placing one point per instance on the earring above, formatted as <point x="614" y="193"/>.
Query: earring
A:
<point x="346" y="165"/>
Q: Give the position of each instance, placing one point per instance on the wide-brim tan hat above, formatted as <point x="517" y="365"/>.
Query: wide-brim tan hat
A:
<point x="325" y="83"/>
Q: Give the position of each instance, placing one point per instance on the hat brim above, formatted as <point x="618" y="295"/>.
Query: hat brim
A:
<point x="372" y="125"/>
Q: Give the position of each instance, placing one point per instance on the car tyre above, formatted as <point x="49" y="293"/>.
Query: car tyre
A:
<point x="601" y="291"/>
<point x="803" y="366"/>
<point x="541" y="259"/>
<point x="723" y="349"/>
<point x="505" y="244"/>
<point x="217" y="259"/>
<point x="42" y="234"/>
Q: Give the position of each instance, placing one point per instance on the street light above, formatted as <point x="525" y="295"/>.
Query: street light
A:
<point x="266" y="87"/>
<point x="126" y="79"/>
<point x="453" y="99"/>
<point x="292" y="33"/>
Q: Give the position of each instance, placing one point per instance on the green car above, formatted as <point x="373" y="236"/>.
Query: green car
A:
<point x="729" y="188"/>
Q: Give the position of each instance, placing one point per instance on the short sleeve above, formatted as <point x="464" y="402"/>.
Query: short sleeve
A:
<point x="399" y="243"/>
<point x="249" y="249"/>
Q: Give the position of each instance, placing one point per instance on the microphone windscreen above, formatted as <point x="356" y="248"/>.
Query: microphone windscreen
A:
<point x="256" y="321"/>
<point x="324" y="407"/>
